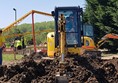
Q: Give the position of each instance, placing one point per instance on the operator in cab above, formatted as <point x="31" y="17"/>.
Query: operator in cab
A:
<point x="70" y="28"/>
<point x="70" y="23"/>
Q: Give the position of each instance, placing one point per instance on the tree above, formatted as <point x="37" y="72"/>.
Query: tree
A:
<point x="103" y="15"/>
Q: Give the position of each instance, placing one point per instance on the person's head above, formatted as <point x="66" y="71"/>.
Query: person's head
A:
<point x="71" y="16"/>
<point x="67" y="18"/>
<point x="0" y="31"/>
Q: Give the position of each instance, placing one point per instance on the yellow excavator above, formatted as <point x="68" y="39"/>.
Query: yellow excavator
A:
<point x="64" y="41"/>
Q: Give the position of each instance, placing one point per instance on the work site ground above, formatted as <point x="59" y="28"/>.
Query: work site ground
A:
<point x="77" y="69"/>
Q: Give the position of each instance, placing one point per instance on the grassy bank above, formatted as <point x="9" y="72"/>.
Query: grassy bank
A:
<point x="10" y="57"/>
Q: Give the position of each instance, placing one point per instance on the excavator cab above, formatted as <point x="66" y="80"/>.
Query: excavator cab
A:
<point x="72" y="25"/>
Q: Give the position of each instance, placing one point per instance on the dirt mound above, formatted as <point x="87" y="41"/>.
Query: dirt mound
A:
<point x="76" y="69"/>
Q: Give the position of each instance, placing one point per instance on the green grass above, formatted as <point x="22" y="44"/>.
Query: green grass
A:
<point x="10" y="57"/>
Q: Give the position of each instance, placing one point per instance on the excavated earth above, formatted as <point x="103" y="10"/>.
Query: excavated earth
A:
<point x="76" y="69"/>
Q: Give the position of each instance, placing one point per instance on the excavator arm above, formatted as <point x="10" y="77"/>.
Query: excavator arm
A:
<point x="105" y="39"/>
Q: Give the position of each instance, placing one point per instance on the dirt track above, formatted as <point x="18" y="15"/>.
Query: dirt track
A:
<point x="110" y="56"/>
<point x="77" y="70"/>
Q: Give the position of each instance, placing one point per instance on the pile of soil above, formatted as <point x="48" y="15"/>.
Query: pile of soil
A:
<point x="77" y="69"/>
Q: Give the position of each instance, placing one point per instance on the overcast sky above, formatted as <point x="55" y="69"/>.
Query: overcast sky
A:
<point x="7" y="14"/>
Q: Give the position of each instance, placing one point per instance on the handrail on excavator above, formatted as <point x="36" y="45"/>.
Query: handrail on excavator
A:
<point x="23" y="17"/>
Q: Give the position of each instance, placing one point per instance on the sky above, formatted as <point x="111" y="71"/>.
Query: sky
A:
<point x="7" y="14"/>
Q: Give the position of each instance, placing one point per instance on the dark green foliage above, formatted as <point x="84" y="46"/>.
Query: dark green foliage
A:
<point x="103" y="15"/>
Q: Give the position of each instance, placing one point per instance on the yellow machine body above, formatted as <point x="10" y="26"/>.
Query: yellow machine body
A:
<point x="50" y="44"/>
<point x="88" y="43"/>
<point x="51" y="50"/>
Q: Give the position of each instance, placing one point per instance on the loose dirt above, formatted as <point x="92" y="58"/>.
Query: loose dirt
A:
<point x="77" y="69"/>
